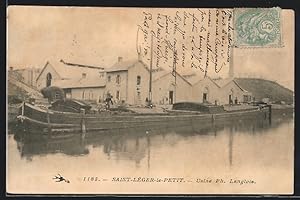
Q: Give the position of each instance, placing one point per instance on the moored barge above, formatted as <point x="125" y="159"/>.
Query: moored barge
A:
<point x="35" y="119"/>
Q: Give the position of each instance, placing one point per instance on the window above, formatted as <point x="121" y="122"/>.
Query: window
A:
<point x="118" y="79"/>
<point x="171" y="97"/>
<point x="57" y="95"/>
<point x="230" y="97"/>
<point x="99" y="98"/>
<point x="138" y="80"/>
<point x="118" y="95"/>
<point x="107" y="94"/>
<point x="205" y="95"/>
<point x="101" y="74"/>
<point x="48" y="79"/>
<point x="108" y="78"/>
<point x="245" y="98"/>
<point x="139" y="95"/>
<point x="90" y="95"/>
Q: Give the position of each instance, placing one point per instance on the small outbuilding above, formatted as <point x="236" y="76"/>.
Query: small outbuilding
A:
<point x="167" y="91"/>
<point x="230" y="92"/>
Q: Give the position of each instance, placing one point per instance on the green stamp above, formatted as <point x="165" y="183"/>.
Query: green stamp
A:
<point x="257" y="27"/>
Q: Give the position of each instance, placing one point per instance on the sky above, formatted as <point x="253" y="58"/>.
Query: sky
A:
<point x="98" y="36"/>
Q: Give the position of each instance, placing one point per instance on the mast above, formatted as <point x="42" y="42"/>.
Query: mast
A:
<point x="150" y="79"/>
<point x="174" y="70"/>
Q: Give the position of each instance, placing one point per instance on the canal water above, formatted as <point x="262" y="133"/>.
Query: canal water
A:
<point x="245" y="156"/>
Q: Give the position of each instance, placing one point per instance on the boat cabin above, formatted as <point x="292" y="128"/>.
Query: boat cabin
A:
<point x="200" y="107"/>
<point x="70" y="105"/>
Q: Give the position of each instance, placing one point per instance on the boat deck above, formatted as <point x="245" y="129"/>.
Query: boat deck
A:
<point x="37" y="119"/>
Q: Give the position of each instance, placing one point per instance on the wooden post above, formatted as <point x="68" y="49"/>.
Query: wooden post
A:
<point x="213" y="117"/>
<point x="83" y="127"/>
<point x="213" y="124"/>
<point x="23" y="107"/>
<point x="148" y="153"/>
<point x="48" y="121"/>
<point x="270" y="114"/>
<point x="82" y="138"/>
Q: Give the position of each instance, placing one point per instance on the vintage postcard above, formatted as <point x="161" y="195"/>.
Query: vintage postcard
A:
<point x="150" y="100"/>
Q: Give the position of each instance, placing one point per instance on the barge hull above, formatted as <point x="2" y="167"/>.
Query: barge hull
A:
<point x="38" y="120"/>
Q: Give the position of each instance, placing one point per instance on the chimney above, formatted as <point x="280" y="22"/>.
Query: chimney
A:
<point x="120" y="59"/>
<point x="139" y="56"/>
<point x="83" y="75"/>
<point x="231" y="68"/>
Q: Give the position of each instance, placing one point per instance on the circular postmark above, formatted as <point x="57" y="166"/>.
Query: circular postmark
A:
<point x="258" y="27"/>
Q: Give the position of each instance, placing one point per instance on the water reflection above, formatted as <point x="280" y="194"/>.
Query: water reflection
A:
<point x="137" y="144"/>
<point x="230" y="147"/>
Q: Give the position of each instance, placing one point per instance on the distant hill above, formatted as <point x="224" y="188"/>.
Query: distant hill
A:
<point x="261" y="88"/>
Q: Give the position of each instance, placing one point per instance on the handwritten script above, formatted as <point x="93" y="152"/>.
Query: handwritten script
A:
<point x="182" y="38"/>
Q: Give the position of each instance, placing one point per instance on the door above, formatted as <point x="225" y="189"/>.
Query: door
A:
<point x="171" y="94"/>
<point x="48" y="80"/>
<point x="138" y="98"/>
<point x="230" y="99"/>
<point x="204" y="97"/>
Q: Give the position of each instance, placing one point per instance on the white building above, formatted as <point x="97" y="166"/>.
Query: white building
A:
<point x="166" y="91"/>
<point x="220" y="91"/>
<point x="128" y="81"/>
<point x="78" y="81"/>
<point x="231" y="91"/>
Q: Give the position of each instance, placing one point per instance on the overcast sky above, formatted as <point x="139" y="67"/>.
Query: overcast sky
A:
<point x="97" y="36"/>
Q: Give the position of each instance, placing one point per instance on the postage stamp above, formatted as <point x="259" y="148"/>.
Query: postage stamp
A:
<point x="257" y="27"/>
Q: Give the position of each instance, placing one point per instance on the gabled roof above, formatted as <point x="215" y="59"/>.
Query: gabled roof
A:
<point x="70" y="71"/>
<point x="162" y="73"/>
<point x="80" y="83"/>
<point x="159" y="74"/>
<point x="122" y="66"/>
<point x="193" y="78"/>
<point x="125" y="65"/>
<point x="223" y="82"/>
<point x="239" y="85"/>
